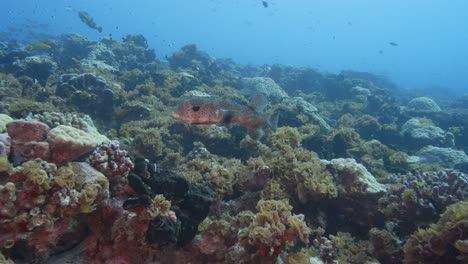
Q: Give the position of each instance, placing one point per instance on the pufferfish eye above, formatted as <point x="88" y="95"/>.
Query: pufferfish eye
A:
<point x="195" y="108"/>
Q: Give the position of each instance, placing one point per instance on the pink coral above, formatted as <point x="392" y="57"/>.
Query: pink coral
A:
<point x="109" y="159"/>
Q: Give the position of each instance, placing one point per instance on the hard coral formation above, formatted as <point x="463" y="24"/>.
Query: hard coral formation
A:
<point x="422" y="105"/>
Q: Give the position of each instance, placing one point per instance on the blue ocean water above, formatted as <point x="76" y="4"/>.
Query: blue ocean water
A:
<point x="417" y="44"/>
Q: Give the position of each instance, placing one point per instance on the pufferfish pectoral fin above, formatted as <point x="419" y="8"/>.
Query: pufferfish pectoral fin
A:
<point x="227" y="118"/>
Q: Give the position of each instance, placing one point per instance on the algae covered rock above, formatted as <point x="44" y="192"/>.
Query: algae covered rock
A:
<point x="350" y="174"/>
<point x="69" y="143"/>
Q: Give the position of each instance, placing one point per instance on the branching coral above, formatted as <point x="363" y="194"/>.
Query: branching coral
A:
<point x="418" y="198"/>
<point x="109" y="159"/>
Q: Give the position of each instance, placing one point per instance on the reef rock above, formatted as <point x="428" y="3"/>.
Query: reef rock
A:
<point x="358" y="90"/>
<point x="311" y="111"/>
<point x="73" y="48"/>
<point x="90" y="93"/>
<point x="191" y="202"/>
<point x="418" y="134"/>
<point x="36" y="67"/>
<point x="350" y="173"/>
<point x="265" y="86"/>
<point x="70" y="83"/>
<point x="25" y="131"/>
<point x="69" y="143"/>
<point x="100" y="52"/>
<point x="98" y="65"/>
<point x="28" y="140"/>
<point x="422" y="105"/>
<point x="5" y="145"/>
<point x="442" y="156"/>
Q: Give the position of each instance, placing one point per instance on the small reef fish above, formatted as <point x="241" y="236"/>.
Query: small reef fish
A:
<point x="89" y="20"/>
<point x="393" y="44"/>
<point x="265" y="4"/>
<point x="207" y="111"/>
<point x="38" y="46"/>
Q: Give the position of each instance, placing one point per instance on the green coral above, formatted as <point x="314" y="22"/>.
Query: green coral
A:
<point x="397" y="162"/>
<point x="349" y="250"/>
<point x="218" y="173"/>
<point x="274" y="229"/>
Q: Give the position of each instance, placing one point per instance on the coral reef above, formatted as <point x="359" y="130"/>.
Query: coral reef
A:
<point x="348" y="176"/>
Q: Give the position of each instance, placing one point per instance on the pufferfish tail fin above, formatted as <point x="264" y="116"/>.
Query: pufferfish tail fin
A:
<point x="271" y="123"/>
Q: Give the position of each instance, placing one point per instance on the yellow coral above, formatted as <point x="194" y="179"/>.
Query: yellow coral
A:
<point x="5" y="165"/>
<point x="36" y="174"/>
<point x="65" y="177"/>
<point x="159" y="207"/>
<point x="5" y="260"/>
<point x="88" y="195"/>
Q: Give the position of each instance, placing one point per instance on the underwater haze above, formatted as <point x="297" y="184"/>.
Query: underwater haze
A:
<point x="417" y="44"/>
